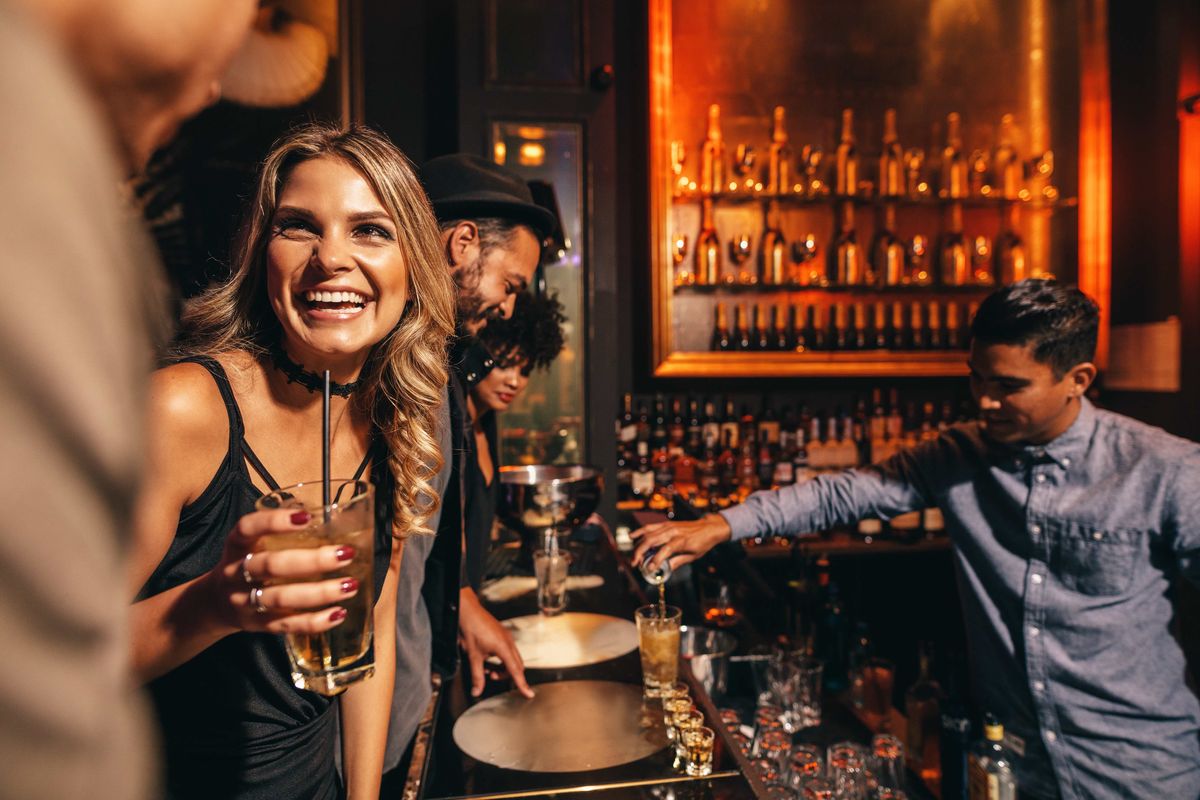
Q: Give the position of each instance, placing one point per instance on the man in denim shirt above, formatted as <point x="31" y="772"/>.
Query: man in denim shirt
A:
<point x="1069" y="525"/>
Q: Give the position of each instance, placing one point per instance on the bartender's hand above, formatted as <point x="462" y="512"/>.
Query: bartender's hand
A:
<point x="681" y="542"/>
<point x="481" y="635"/>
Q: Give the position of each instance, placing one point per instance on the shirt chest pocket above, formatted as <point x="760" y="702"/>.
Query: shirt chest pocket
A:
<point x="1094" y="561"/>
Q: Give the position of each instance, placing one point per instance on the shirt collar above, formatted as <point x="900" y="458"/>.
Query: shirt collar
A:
<point x="1071" y="444"/>
<point x="1068" y="448"/>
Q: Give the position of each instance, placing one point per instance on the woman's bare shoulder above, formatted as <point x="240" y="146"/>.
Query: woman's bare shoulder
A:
<point x="186" y="405"/>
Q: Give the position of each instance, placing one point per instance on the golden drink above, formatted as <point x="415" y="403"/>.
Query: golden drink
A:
<point x="698" y="751"/>
<point x="682" y="722"/>
<point x="349" y="641"/>
<point x="328" y="662"/>
<point x="671" y="707"/>
<point x="658" y="644"/>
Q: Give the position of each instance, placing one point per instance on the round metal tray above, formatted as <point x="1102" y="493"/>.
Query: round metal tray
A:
<point x="570" y="726"/>
<point x="571" y="640"/>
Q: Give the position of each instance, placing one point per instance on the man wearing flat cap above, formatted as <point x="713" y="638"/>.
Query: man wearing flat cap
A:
<point x="492" y="234"/>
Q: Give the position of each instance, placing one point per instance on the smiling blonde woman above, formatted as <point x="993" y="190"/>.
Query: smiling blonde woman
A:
<point x="338" y="267"/>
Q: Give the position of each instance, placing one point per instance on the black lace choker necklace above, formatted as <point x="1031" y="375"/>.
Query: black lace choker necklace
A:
<point x="309" y="380"/>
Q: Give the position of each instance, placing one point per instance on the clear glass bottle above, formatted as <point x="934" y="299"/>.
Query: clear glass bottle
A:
<point x="708" y="247"/>
<point x="773" y="262"/>
<point x="891" y="160"/>
<point x="887" y="252"/>
<point x="990" y="774"/>
<point x="954" y="262"/>
<point x="1009" y="253"/>
<point x="712" y="155"/>
<point x="846" y="175"/>
<point x="779" y="156"/>
<point x="1007" y="170"/>
<point x="847" y="267"/>
<point x="954" y="163"/>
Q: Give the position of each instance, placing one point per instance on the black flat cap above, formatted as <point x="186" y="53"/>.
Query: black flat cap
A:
<point x="462" y="186"/>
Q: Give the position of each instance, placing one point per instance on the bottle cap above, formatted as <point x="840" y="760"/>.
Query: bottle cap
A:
<point x="993" y="731"/>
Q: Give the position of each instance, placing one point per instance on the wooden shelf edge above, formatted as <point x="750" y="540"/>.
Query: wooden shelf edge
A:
<point x="950" y="364"/>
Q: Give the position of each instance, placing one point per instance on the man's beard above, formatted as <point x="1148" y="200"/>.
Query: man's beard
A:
<point x="468" y="302"/>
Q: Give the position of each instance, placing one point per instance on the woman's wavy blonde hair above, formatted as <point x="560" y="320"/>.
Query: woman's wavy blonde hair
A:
<point x="404" y="379"/>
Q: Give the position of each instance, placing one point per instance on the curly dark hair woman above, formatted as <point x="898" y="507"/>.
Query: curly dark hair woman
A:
<point x="533" y="335"/>
<point x="530" y="339"/>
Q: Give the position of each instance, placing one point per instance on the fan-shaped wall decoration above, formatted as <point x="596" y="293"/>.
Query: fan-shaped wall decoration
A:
<point x="284" y="59"/>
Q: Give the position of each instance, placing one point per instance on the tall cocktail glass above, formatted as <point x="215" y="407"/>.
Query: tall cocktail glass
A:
<point x="658" y="643"/>
<point x="550" y="568"/>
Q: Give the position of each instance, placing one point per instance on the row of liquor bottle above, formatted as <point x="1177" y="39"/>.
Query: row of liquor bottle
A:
<point x="838" y="326"/>
<point x="889" y="260"/>
<point x="715" y="459"/>
<point x="998" y="172"/>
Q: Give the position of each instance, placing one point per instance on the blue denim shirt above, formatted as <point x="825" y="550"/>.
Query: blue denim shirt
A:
<point x="1065" y="556"/>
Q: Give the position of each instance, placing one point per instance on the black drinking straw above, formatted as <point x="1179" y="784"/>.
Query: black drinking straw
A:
<point x="325" y="446"/>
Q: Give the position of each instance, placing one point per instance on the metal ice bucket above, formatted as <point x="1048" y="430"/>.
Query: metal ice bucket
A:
<point x="707" y="652"/>
<point x="548" y="499"/>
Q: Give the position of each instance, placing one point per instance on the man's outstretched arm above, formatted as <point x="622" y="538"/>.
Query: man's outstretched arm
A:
<point x="825" y="502"/>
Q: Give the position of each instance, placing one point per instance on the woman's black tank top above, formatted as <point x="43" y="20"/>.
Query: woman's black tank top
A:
<point x="233" y="724"/>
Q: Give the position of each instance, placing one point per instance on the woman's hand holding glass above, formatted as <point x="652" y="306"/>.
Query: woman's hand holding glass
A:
<point x="279" y="591"/>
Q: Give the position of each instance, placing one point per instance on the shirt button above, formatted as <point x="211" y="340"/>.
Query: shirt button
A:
<point x="1098" y="535"/>
<point x="1034" y="631"/>
<point x="1041" y="477"/>
<point x="1035" y="529"/>
<point x="1035" y="577"/>
<point x="1066" y="462"/>
<point x="1051" y="736"/>
<point x="1039" y="686"/>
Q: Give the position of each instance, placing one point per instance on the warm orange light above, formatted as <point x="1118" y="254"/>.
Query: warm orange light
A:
<point x="532" y="132"/>
<point x="500" y="153"/>
<point x="1095" y="167"/>
<point x="531" y="154"/>
<point x="1037" y="68"/>
<point x="1189" y="190"/>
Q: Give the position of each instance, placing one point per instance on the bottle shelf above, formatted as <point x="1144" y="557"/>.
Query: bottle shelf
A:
<point x="797" y="199"/>
<point x="864" y="290"/>
<point x="815" y="364"/>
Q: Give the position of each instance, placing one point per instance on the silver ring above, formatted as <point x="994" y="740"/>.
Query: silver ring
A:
<point x="246" y="576"/>
<point x="256" y="600"/>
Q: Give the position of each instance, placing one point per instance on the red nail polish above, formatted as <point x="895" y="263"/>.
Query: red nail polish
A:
<point x="344" y="553"/>
<point x="337" y="615"/>
<point x="300" y="517"/>
<point x="349" y="585"/>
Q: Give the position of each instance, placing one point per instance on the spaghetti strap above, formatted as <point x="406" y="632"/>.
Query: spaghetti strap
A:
<point x="221" y="379"/>
<point x="367" y="459"/>
<point x="255" y="462"/>
<point x="237" y="429"/>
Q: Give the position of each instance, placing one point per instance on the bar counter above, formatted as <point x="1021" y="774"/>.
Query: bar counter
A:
<point x="441" y="770"/>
